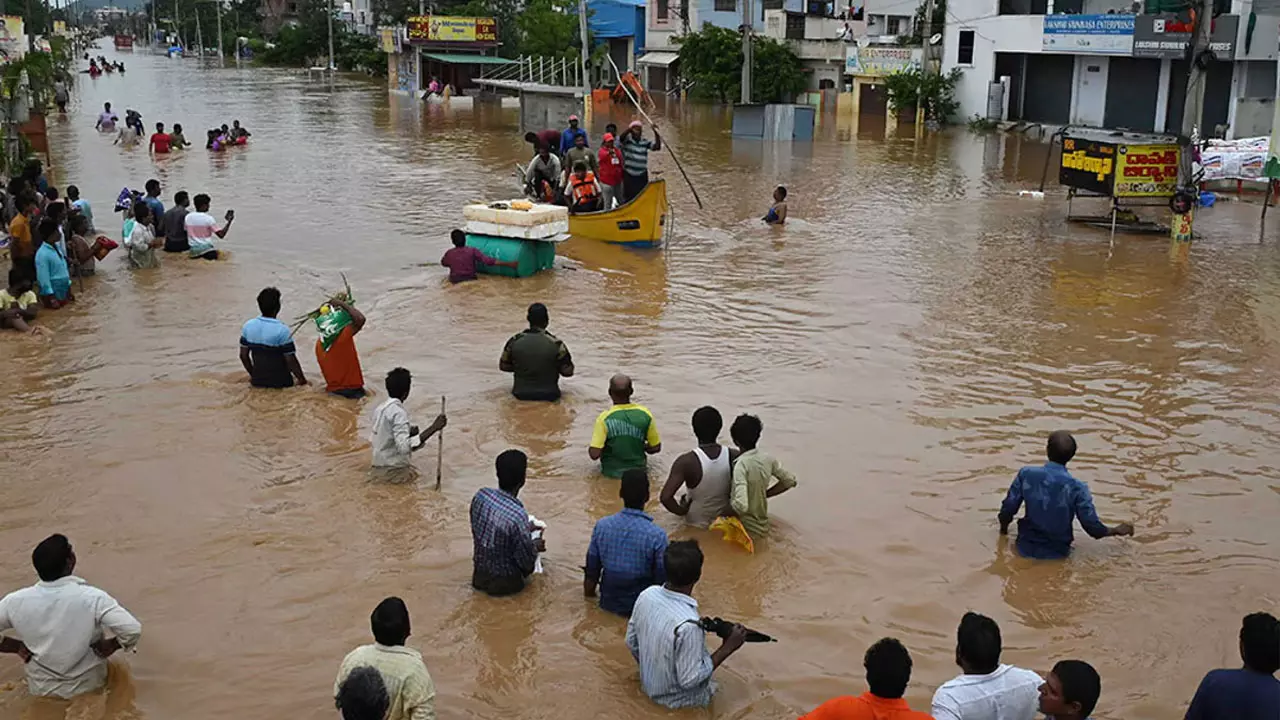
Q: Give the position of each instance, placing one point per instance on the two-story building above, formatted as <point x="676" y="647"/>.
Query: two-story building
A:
<point x="1108" y="63"/>
<point x="817" y="31"/>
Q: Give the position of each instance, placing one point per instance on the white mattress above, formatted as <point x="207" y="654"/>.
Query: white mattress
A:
<point x="543" y="231"/>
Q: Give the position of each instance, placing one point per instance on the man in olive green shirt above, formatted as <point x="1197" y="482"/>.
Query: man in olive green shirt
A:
<point x="752" y="474"/>
<point x="537" y="358"/>
<point x="624" y="434"/>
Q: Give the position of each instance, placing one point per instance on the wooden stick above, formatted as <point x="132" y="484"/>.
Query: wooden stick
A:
<point x="651" y="122"/>
<point x="440" y="447"/>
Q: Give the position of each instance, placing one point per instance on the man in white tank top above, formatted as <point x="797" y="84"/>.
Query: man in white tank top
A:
<point x="705" y="472"/>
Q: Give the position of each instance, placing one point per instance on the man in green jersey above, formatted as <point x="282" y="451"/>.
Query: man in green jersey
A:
<point x="624" y="433"/>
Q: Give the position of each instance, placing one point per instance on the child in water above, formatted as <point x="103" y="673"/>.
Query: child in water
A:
<point x="777" y="214"/>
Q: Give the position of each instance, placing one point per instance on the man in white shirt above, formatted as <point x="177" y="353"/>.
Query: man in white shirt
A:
<point x="408" y="685"/>
<point x="59" y="623"/>
<point x="987" y="690"/>
<point x="393" y="438"/>
<point x="201" y="229"/>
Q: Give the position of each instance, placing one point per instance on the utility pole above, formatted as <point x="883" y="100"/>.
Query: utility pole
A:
<point x="331" y="65"/>
<point x="746" y="52"/>
<point x="586" y="67"/>
<point x="199" y="35"/>
<point x="926" y="59"/>
<point x="177" y="28"/>
<point x="1193" y="106"/>
<point x="221" y="55"/>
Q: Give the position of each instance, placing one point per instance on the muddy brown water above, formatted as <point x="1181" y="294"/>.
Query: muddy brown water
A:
<point x="909" y="338"/>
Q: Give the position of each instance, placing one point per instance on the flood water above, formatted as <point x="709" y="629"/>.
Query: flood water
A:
<point x="908" y="339"/>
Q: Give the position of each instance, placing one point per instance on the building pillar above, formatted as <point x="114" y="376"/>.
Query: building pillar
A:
<point x="1238" y="72"/>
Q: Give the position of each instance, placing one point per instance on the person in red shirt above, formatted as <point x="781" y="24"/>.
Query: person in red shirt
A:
<point x="610" y="176"/>
<point x="462" y="260"/>
<point x="549" y="138"/>
<point x="888" y="666"/>
<point x="160" y="140"/>
<point x="340" y="364"/>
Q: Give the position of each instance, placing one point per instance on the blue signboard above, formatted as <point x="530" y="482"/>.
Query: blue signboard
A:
<point x="1096" y="34"/>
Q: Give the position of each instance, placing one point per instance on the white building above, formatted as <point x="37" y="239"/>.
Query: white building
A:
<point x="816" y="30"/>
<point x="1097" y="63"/>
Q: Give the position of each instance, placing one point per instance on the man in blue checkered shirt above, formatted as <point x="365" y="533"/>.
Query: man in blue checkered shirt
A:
<point x="504" y="549"/>
<point x="626" y="551"/>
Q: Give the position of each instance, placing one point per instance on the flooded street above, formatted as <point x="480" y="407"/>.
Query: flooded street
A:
<point x="908" y="340"/>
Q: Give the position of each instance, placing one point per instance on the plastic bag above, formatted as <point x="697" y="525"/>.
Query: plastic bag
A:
<point x="734" y="532"/>
<point x="330" y="321"/>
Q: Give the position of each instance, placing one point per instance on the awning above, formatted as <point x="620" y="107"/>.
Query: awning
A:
<point x="658" y="58"/>
<point x="465" y="59"/>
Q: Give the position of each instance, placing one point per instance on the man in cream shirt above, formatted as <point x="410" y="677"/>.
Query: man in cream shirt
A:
<point x="987" y="690"/>
<point x="409" y="686"/>
<point x="59" y="624"/>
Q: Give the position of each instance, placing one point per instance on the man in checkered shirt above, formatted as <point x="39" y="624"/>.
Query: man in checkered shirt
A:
<point x="626" y="551"/>
<point x="505" y="550"/>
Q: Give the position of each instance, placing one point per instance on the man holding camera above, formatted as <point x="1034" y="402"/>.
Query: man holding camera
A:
<point x="665" y="636"/>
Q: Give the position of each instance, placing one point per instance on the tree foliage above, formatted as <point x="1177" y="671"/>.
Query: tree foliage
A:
<point x="712" y="59"/>
<point x="547" y="29"/>
<point x="906" y="88"/>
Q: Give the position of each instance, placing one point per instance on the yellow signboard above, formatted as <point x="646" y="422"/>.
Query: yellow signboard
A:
<point x="1146" y="171"/>
<point x="446" y="28"/>
<point x="59" y="27"/>
<point x="13" y="38"/>
<point x="388" y="36"/>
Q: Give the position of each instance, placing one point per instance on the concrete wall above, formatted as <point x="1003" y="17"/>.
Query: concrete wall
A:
<point x="1009" y="33"/>
<point x="1253" y="117"/>
<point x="539" y="110"/>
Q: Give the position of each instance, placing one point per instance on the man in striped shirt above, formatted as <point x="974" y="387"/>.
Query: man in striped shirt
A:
<point x="635" y="158"/>
<point x="664" y="636"/>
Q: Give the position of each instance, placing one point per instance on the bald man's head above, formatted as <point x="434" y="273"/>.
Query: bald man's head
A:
<point x="620" y="388"/>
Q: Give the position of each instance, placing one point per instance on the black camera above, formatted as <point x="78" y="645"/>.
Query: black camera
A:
<point x="723" y="628"/>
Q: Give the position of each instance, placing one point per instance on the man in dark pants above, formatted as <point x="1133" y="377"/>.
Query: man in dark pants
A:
<point x="635" y="158"/>
<point x="505" y="551"/>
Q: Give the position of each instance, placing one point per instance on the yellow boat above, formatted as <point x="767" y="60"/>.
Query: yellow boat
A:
<point x="638" y="223"/>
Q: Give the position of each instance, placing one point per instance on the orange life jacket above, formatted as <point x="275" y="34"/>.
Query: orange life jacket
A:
<point x="583" y="189"/>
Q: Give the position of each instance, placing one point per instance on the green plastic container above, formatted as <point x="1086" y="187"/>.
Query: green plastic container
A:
<point x="531" y="255"/>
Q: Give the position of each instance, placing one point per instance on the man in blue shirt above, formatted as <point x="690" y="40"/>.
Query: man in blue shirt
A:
<point x="1054" y="499"/>
<point x="1252" y="693"/>
<point x="570" y="135"/>
<point x="505" y="551"/>
<point x="266" y="347"/>
<point x="157" y="207"/>
<point x="625" y="555"/>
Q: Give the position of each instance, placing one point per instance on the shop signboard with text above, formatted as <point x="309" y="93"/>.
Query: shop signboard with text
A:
<point x="1088" y="34"/>
<point x="1166" y="36"/>
<point x="1087" y="165"/>
<point x="1146" y="171"/>
<point x="880" y="61"/>
<point x="450" y="29"/>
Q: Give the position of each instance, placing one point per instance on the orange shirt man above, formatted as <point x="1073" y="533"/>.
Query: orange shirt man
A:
<point x="340" y="364"/>
<point x="888" y="666"/>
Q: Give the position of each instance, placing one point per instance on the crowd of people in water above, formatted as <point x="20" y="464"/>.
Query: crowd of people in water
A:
<point x="64" y="630"/>
<point x="162" y="142"/>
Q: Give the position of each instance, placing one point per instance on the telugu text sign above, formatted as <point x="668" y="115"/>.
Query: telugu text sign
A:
<point x="1087" y="165"/>
<point x="1088" y="34"/>
<point x="880" y="61"/>
<point x="1146" y="171"/>
<point x="1165" y="36"/>
<point x="446" y="28"/>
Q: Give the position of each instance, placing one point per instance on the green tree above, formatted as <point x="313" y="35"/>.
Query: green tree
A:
<point x="547" y="29"/>
<point x="712" y="60"/>
<point x="776" y="72"/>
<point x="906" y="88"/>
<point x="918" y="22"/>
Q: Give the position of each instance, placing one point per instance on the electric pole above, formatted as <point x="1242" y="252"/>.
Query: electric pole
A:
<point x="926" y="59"/>
<point x="221" y="56"/>
<point x="199" y="34"/>
<point x="586" y="68"/>
<point x="1192" y="109"/>
<point x="746" y="52"/>
<point x="331" y="65"/>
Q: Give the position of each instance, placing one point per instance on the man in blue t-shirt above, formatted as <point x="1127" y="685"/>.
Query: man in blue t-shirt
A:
<point x="266" y="347"/>
<point x="1054" y="500"/>
<point x="1251" y="693"/>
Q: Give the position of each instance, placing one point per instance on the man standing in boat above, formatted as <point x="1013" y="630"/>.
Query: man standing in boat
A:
<point x="635" y="158"/>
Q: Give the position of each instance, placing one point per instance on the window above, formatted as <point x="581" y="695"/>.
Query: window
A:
<point x="663" y="9"/>
<point x="795" y="26"/>
<point x="964" y="49"/>
<point x="726" y="5"/>
<point x="893" y="25"/>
